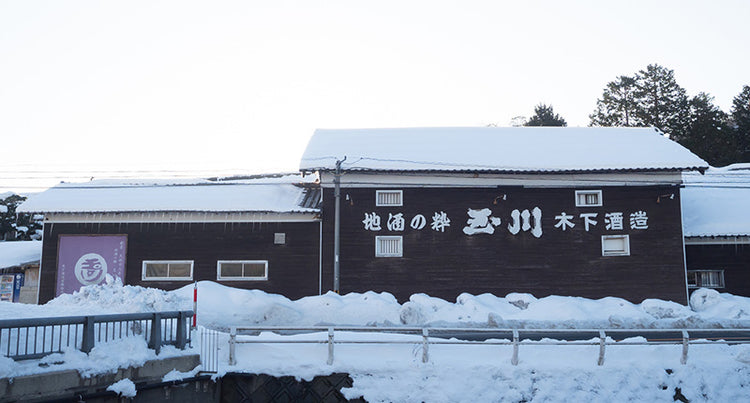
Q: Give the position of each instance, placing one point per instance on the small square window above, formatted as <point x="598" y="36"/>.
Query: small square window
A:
<point x="705" y="278"/>
<point x="389" y="246"/>
<point x="242" y="270"/>
<point x="386" y="198"/>
<point x="615" y="245"/>
<point x="588" y="198"/>
<point x="279" y="238"/>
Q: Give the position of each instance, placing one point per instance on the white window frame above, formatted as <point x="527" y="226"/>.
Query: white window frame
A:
<point x="400" y="198"/>
<point x="699" y="282"/>
<point x="219" y="276"/>
<point x="167" y="262"/>
<point x="598" y="194"/>
<point x="626" y="252"/>
<point x="379" y="253"/>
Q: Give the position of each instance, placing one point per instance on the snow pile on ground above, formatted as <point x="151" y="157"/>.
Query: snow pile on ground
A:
<point x="105" y="357"/>
<point x="492" y="383"/>
<point x="453" y="373"/>
<point x="123" y="387"/>
<point x="220" y="307"/>
<point x="110" y="297"/>
<point x="712" y="304"/>
<point x="484" y="373"/>
<point x="117" y="298"/>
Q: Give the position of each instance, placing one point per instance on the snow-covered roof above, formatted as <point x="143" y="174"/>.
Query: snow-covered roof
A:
<point x="280" y="193"/>
<point x="509" y="149"/>
<point x="716" y="204"/>
<point x="19" y="253"/>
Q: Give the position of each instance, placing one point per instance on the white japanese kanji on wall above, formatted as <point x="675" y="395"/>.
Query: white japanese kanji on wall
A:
<point x="397" y="222"/>
<point x="485" y="221"/>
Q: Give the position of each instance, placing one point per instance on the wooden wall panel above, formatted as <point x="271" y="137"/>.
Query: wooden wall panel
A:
<point x="733" y="259"/>
<point x="292" y="269"/>
<point x="444" y="264"/>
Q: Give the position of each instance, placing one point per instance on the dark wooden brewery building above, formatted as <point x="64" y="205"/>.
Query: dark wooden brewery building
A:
<point x="589" y="212"/>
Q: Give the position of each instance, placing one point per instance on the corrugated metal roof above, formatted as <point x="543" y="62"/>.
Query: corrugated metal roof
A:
<point x="275" y="194"/>
<point x="493" y="149"/>
<point x="717" y="203"/>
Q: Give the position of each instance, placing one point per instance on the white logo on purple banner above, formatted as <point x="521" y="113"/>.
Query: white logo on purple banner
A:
<point x="91" y="269"/>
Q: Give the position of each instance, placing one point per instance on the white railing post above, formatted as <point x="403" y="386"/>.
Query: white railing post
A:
<point x="232" y="345"/>
<point x="602" y="344"/>
<point x="514" y="360"/>
<point x="685" y="342"/>
<point x="330" y="346"/>
<point x="425" y="345"/>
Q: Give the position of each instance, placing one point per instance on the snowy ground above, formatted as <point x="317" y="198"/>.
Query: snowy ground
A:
<point x="714" y="372"/>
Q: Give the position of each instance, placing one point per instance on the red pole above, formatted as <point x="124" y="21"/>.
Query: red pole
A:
<point x="195" y="305"/>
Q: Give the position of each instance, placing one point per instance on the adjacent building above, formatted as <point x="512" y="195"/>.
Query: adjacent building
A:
<point x="716" y="207"/>
<point x="261" y="233"/>
<point x="19" y="271"/>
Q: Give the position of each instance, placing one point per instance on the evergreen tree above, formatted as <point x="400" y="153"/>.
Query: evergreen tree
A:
<point x="741" y="123"/>
<point x="545" y="116"/>
<point x="708" y="134"/>
<point x="661" y="102"/>
<point x="17" y="226"/>
<point x="650" y="98"/>
<point x="617" y="104"/>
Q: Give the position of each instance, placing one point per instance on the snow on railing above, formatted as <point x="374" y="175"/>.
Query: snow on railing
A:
<point x="501" y="337"/>
<point x="30" y="338"/>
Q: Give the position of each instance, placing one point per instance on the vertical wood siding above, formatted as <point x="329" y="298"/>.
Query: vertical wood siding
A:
<point x="292" y="267"/>
<point x="444" y="264"/>
<point x="733" y="259"/>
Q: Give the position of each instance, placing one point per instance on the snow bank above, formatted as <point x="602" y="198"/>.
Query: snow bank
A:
<point x="491" y="383"/>
<point x="484" y="373"/>
<point x="105" y="357"/>
<point x="123" y="387"/>
<point x="486" y="310"/>
<point x="111" y="297"/>
<point x="395" y="372"/>
<point x="220" y="307"/>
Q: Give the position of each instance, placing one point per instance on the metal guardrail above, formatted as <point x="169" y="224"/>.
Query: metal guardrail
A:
<point x="30" y="338"/>
<point x="431" y="336"/>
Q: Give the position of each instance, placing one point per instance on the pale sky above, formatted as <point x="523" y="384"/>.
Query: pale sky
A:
<point x="102" y="88"/>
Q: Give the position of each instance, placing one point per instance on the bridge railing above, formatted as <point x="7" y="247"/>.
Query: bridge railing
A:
<point x="30" y="338"/>
<point x="502" y="337"/>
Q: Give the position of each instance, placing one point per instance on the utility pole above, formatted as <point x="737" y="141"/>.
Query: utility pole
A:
<point x="337" y="224"/>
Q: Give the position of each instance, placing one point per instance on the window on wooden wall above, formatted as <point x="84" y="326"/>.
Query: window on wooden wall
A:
<point x="242" y="270"/>
<point x="167" y="270"/>
<point x="389" y="246"/>
<point x="615" y="245"/>
<point x="385" y="198"/>
<point x="705" y="278"/>
<point x="588" y="198"/>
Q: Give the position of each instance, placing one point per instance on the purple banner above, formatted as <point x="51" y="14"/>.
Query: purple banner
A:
<point x="87" y="259"/>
